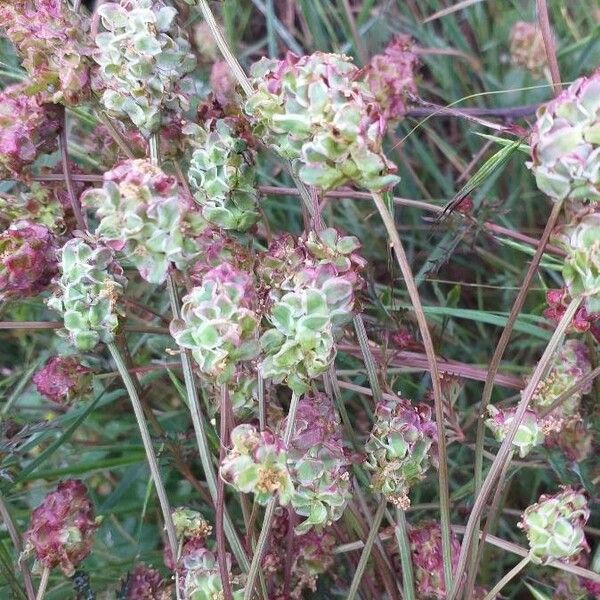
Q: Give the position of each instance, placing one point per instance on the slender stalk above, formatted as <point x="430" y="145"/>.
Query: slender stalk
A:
<point x="263" y="538"/>
<point x="507" y="578"/>
<point x="262" y="407"/>
<point x="363" y="342"/>
<point x="366" y="553"/>
<point x="200" y="428"/>
<point x="435" y="381"/>
<point x="16" y="540"/>
<point x="43" y="584"/>
<point x="220" y="534"/>
<point x="549" y="44"/>
<point x="588" y="378"/>
<point x="64" y="155"/>
<point x="499" y="353"/>
<point x="505" y="450"/>
<point x="147" y="441"/>
<point x="408" y="582"/>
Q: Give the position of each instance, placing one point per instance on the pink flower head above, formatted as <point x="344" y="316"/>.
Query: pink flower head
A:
<point x="61" y="527"/>
<point x="28" y="128"/>
<point x="146" y="583"/>
<point x="391" y="77"/>
<point x="62" y="379"/>
<point x="558" y="300"/>
<point x="426" y="546"/>
<point x="27" y="260"/>
<point x="227" y="275"/>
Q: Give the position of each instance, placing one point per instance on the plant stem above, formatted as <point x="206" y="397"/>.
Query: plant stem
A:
<point x="505" y="450"/>
<point x="499" y="353"/>
<point x="221" y="550"/>
<point x="363" y="342"/>
<point x="549" y="44"/>
<point x="507" y="578"/>
<point x="200" y="428"/>
<point x="43" y="584"/>
<point x="435" y="381"/>
<point x="263" y="538"/>
<point x="147" y="441"/>
<point x="16" y="540"/>
<point x="408" y="583"/>
<point x="64" y="155"/>
<point x="366" y="553"/>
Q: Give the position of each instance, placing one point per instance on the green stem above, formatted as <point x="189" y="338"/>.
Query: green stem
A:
<point x="363" y="342"/>
<point x="261" y="545"/>
<point x="200" y="429"/>
<point x="366" y="553"/>
<point x="408" y="582"/>
<point x="147" y="441"/>
<point x="435" y="381"/>
<point x="43" y="584"/>
<point x="506" y="579"/>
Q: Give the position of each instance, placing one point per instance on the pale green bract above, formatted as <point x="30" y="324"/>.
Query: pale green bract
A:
<point x="314" y="110"/>
<point x="223" y="177"/>
<point x="143" y="57"/>
<point x="202" y="580"/>
<point x="529" y="434"/>
<point x="87" y="293"/>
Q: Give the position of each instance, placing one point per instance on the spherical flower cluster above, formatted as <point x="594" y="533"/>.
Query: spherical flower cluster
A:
<point x="554" y="526"/>
<point x="190" y="524"/>
<point x="218" y="323"/>
<point x="529" y="434"/>
<point x="426" y="551"/>
<point x="313" y="109"/>
<point x="27" y="260"/>
<point x="143" y="57"/>
<point x="581" y="269"/>
<point x="571" y="364"/>
<point x="61" y="527"/>
<point x="52" y="41"/>
<point x="311" y="556"/>
<point x="558" y="300"/>
<point x="28" y="128"/>
<point x="565" y="144"/>
<point x="257" y="463"/>
<point x="391" y="77"/>
<point x="141" y="214"/>
<point x="222" y="174"/>
<point x="88" y="293"/>
<point x="318" y="463"/>
<point x="146" y="583"/>
<point x="527" y="49"/>
<point x="202" y="579"/>
<point x="401" y="447"/>
<point x="63" y="379"/>
<point x="304" y="316"/>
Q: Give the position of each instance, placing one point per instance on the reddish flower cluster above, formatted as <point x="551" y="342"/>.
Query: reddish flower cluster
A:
<point x="28" y="128"/>
<point x="146" y="583"/>
<point x="61" y="527"/>
<point x="62" y="379"/>
<point x="27" y="260"/>
<point x="391" y="77"/>
<point x="558" y="300"/>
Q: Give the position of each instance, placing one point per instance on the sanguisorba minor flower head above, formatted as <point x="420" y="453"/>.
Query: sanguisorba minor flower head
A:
<point x="146" y="583"/>
<point x="314" y="109"/>
<point x="52" y="41"/>
<point x="61" y="528"/>
<point x="529" y="434"/>
<point x="62" y="380"/>
<point x="426" y="551"/>
<point x="391" y="77"/>
<point x="143" y="57"/>
<point x="257" y="464"/>
<point x="218" y="323"/>
<point x="555" y="526"/>
<point x="401" y="448"/>
<point x="88" y="293"/>
<point x="527" y="49"/>
<point x="581" y="269"/>
<point x="318" y="463"/>
<point x="222" y="173"/>
<point x="141" y="215"/>
<point x="202" y="579"/>
<point x="565" y="143"/>
<point x="28" y="128"/>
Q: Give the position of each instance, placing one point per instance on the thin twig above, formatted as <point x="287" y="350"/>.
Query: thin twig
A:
<point x="64" y="155"/>
<point x="435" y="381"/>
<point x="408" y="583"/>
<point x="510" y="112"/>
<point x="43" y="584"/>
<point x="507" y="578"/>
<point x="549" y="44"/>
<point x="574" y="389"/>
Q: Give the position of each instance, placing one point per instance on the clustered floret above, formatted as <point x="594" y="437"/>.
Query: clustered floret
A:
<point x="63" y="379"/>
<point x="88" y="293"/>
<point x="315" y="110"/>
<point x="527" y="49"/>
<point x="146" y="583"/>
<point x="401" y="448"/>
<point x="141" y="216"/>
<point x="61" y="528"/>
<point x="143" y="57"/>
